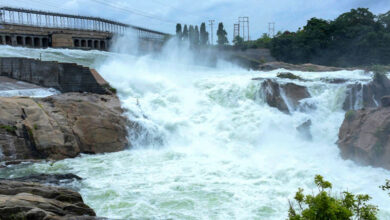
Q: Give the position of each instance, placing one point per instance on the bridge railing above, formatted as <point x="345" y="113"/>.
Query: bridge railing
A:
<point x="18" y="16"/>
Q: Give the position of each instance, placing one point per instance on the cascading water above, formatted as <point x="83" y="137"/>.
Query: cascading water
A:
<point x="211" y="148"/>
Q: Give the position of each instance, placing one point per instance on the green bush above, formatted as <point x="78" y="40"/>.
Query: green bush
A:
<point x="350" y="115"/>
<point x="8" y="128"/>
<point x="324" y="206"/>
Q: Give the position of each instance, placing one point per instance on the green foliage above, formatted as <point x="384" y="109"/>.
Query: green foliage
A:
<point x="179" y="32"/>
<point x="222" y="35"/>
<point x="110" y="88"/>
<point x="354" y="38"/>
<point x="288" y="76"/>
<point x="323" y="206"/>
<point x="350" y="115"/>
<point x="204" y="35"/>
<point x="8" y="128"/>
<point x="386" y="187"/>
<point x="185" y="33"/>
<point x="238" y="41"/>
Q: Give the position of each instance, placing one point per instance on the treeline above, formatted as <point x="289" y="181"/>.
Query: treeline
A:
<point x="195" y="36"/>
<point x="199" y="36"/>
<point x="354" y="38"/>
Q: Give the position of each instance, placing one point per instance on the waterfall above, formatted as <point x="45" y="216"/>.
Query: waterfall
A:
<point x="209" y="149"/>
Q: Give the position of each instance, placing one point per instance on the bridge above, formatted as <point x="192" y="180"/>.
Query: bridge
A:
<point x="40" y="29"/>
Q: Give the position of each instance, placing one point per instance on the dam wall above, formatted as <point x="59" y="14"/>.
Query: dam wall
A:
<point x="65" y="77"/>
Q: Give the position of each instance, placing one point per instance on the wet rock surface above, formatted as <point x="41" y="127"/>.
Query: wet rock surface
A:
<point x="308" y="67"/>
<point x="367" y="95"/>
<point x="61" y="126"/>
<point x="28" y="200"/>
<point x="54" y="179"/>
<point x="285" y="97"/>
<point x="364" y="137"/>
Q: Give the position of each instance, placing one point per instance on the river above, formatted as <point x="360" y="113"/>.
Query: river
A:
<point x="211" y="148"/>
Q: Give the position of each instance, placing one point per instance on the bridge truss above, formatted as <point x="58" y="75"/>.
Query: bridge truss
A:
<point x="18" y="16"/>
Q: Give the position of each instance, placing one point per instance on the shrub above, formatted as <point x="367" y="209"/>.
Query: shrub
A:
<point x="323" y="206"/>
<point x="350" y="115"/>
<point x="8" y="128"/>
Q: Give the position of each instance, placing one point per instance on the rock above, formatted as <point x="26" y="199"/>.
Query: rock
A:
<point x="288" y="75"/>
<point x="334" y="80"/>
<point x="364" y="137"/>
<point x="285" y="97"/>
<point x="304" y="130"/>
<point x="385" y="101"/>
<point x="61" y="126"/>
<point x="54" y="179"/>
<point x="27" y="200"/>
<point x="308" y="67"/>
<point x="367" y="95"/>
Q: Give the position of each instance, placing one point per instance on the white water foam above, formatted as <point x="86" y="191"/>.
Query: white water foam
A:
<point x="224" y="153"/>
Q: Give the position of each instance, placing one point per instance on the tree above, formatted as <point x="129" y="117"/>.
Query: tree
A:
<point x="179" y="33"/>
<point x="185" y="33"/>
<point x="354" y="38"/>
<point x="221" y="34"/>
<point x="196" y="36"/>
<point x="323" y="206"/>
<point x="191" y="34"/>
<point x="238" y="41"/>
<point x="204" y="35"/>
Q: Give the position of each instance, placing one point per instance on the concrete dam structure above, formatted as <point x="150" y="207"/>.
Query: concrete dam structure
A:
<point x="39" y="29"/>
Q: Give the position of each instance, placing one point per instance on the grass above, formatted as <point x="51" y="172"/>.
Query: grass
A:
<point x="8" y="128"/>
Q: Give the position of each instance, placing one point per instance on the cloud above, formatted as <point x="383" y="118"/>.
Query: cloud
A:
<point x="163" y="14"/>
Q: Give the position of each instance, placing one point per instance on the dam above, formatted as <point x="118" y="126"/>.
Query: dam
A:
<point x="41" y="29"/>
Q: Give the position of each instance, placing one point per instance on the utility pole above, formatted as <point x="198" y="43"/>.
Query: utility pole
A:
<point x="271" y="29"/>
<point x="245" y="27"/>
<point x="211" y="23"/>
<point x="236" y="31"/>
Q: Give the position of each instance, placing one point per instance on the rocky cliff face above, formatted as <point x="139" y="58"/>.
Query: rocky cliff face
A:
<point x="60" y="126"/>
<point x="367" y="95"/>
<point x="285" y="97"/>
<point x="28" y="200"/>
<point x="365" y="137"/>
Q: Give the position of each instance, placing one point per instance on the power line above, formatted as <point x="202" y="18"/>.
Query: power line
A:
<point x="132" y="11"/>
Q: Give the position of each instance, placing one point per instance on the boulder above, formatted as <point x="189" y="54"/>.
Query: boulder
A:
<point x="27" y="200"/>
<point x="288" y="75"/>
<point x="361" y="95"/>
<point x="54" y="179"/>
<point x="61" y="126"/>
<point x="364" y="137"/>
<point x="285" y="97"/>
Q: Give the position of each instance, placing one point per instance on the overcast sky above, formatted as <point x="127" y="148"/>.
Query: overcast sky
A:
<point x="162" y="15"/>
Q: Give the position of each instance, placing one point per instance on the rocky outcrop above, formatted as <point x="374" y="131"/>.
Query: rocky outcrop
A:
<point x="367" y="95"/>
<point x="27" y="200"/>
<point x="308" y="67"/>
<point x="53" y="179"/>
<point x="285" y="97"/>
<point x="60" y="126"/>
<point x="365" y="137"/>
